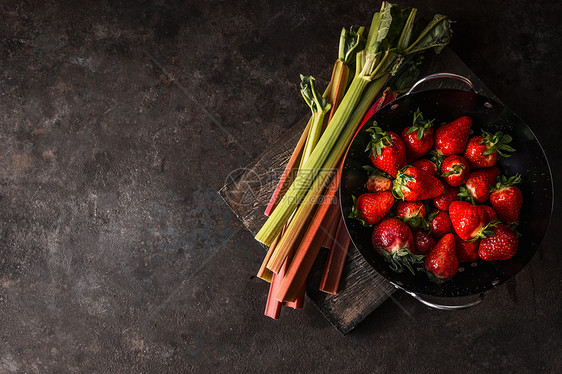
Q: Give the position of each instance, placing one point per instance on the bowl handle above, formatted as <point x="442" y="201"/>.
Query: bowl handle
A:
<point x="444" y="306"/>
<point x="443" y="75"/>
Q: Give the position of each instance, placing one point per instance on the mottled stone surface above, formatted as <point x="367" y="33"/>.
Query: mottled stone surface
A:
<point x="119" y="121"/>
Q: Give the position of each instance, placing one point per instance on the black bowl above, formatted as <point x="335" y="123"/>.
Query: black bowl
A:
<point x="529" y="160"/>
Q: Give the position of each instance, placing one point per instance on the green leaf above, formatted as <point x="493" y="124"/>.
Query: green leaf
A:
<point x="385" y="21"/>
<point x="371" y="169"/>
<point x="354" y="214"/>
<point x="405" y="73"/>
<point x="379" y="140"/>
<point x="400" y="259"/>
<point x="406" y="35"/>
<point x="465" y="194"/>
<point x="400" y="17"/>
<point x="505" y="147"/>
<point x="313" y="98"/>
<point x="350" y="43"/>
<point x="436" y="35"/>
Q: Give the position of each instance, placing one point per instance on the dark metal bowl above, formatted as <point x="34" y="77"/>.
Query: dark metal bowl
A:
<point x="529" y="160"/>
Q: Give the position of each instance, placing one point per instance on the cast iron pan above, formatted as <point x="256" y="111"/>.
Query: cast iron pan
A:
<point x="446" y="105"/>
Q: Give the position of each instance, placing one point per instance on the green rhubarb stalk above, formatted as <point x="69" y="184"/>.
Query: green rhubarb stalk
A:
<point x="378" y="60"/>
<point x="319" y="107"/>
<point x="350" y="42"/>
<point x="311" y="167"/>
<point x="315" y="192"/>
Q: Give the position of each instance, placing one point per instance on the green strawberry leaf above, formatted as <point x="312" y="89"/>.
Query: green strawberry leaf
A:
<point x="355" y="212"/>
<point x="420" y="124"/>
<point x="497" y="143"/>
<point x="379" y="139"/>
<point x="503" y="182"/>
<point x="402" y="258"/>
<point x="465" y="194"/>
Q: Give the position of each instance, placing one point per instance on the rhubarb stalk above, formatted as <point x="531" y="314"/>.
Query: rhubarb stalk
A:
<point x="334" y="265"/>
<point x="318" y="183"/>
<point x="350" y="42"/>
<point x="379" y="59"/>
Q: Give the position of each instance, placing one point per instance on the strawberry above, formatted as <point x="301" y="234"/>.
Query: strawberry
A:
<point x="491" y="212"/>
<point x="442" y="260"/>
<point x="467" y="251"/>
<point x="469" y="221"/>
<point x="507" y="198"/>
<point x="449" y="195"/>
<point x="394" y="240"/>
<point x="378" y="183"/>
<point x="455" y="170"/>
<point x="423" y="242"/>
<point x="411" y="212"/>
<point x="371" y="207"/>
<point x="388" y="152"/>
<point x="483" y="151"/>
<point x="479" y="184"/>
<point x="500" y="246"/>
<point x="412" y="184"/>
<point x="440" y="224"/>
<point x="451" y="139"/>
<point x="418" y="138"/>
<point x="426" y="165"/>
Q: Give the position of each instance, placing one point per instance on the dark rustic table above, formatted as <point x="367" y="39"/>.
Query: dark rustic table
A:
<point x="121" y="120"/>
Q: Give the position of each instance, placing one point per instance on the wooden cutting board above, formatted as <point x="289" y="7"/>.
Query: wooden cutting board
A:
<point x="248" y="192"/>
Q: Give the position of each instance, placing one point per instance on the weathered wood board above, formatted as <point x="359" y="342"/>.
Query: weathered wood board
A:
<point x="361" y="289"/>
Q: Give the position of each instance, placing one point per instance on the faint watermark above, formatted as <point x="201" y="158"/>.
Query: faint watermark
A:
<point x="246" y="187"/>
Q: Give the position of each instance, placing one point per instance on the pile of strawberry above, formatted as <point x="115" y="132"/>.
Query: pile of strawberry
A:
<point x="440" y="183"/>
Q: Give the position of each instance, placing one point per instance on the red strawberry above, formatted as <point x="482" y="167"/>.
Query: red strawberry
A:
<point x="423" y="242"/>
<point x="455" y="170"/>
<point x="507" y="199"/>
<point x="451" y="139"/>
<point x="479" y="184"/>
<point x="467" y="251"/>
<point x="412" y="184"/>
<point x="442" y="260"/>
<point x="483" y="151"/>
<point x="491" y="212"/>
<point x="371" y="207"/>
<point x="411" y="212"/>
<point x="440" y="224"/>
<point x="426" y="165"/>
<point x="387" y="150"/>
<point x="469" y="221"/>
<point x="500" y="246"/>
<point x="393" y="239"/>
<point x="378" y="183"/>
<point x="449" y="195"/>
<point x="418" y="138"/>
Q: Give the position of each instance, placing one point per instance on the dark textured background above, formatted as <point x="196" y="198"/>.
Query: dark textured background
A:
<point x="120" y="121"/>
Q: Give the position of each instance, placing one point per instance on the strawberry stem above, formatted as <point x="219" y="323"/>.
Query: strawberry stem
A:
<point x="355" y="212"/>
<point x="497" y="143"/>
<point x="402" y="258"/>
<point x="420" y="124"/>
<point x="379" y="140"/>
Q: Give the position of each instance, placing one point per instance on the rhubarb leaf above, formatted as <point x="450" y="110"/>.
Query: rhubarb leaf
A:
<point x="315" y="101"/>
<point x="436" y="35"/>
<point x="350" y="43"/>
<point x="383" y="27"/>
